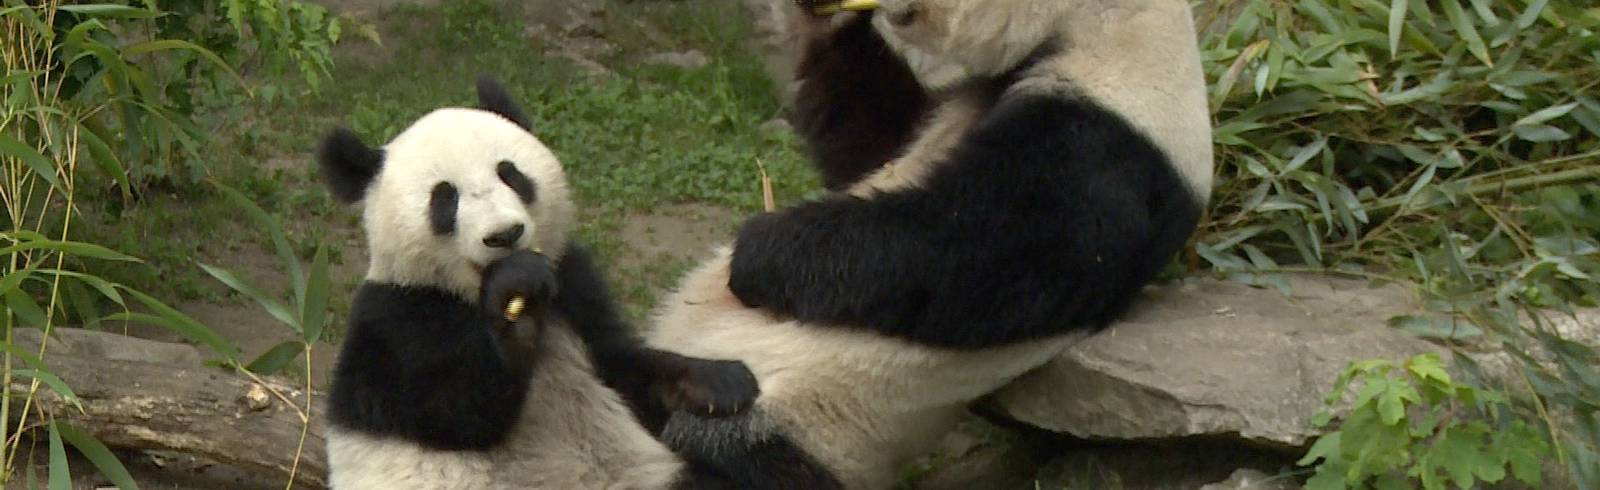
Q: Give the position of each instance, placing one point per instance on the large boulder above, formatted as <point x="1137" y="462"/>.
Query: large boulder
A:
<point x="1215" y="358"/>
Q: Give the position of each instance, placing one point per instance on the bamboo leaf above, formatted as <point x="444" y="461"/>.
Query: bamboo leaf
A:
<point x="99" y="455"/>
<point x="275" y="359"/>
<point x="25" y="308"/>
<point x="14" y="279"/>
<point x="78" y="249"/>
<point x="60" y="473"/>
<point x="1545" y="115"/>
<point x="55" y="383"/>
<point x="106" y="159"/>
<point x="267" y="302"/>
<point x="179" y="323"/>
<point x="275" y="232"/>
<point x="27" y="154"/>
<point x="314" y="314"/>
<point x="1465" y="29"/>
<point x="166" y="44"/>
<point x="114" y="11"/>
<point x="1397" y="22"/>
<point x="1531" y="14"/>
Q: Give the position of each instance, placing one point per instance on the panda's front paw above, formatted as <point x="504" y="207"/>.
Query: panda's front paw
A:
<point x="523" y="274"/>
<point x="706" y="387"/>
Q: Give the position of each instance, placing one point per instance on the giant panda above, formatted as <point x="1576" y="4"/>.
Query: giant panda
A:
<point x="1006" y="176"/>
<point x="441" y="382"/>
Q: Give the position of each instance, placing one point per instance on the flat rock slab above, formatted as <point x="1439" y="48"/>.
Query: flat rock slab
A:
<point x="1216" y="358"/>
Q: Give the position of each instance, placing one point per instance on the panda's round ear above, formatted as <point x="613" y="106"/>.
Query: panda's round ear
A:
<point x="493" y="98"/>
<point x="348" y="165"/>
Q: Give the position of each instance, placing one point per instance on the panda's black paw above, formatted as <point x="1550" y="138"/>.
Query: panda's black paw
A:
<point x="707" y="388"/>
<point x="523" y="274"/>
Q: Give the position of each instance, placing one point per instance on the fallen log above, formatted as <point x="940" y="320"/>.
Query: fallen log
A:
<point x="132" y="399"/>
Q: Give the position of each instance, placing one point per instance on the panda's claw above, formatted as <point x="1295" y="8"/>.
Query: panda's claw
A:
<point x="523" y="274"/>
<point x="711" y="388"/>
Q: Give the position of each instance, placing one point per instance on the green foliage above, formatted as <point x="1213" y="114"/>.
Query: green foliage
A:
<point x="1413" y="426"/>
<point x="308" y="315"/>
<point x="1451" y="145"/>
<point x="1354" y="133"/>
<point x="140" y="76"/>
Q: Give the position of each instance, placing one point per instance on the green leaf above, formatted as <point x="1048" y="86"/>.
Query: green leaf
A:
<point x="55" y="384"/>
<point x="1545" y="115"/>
<point x="1305" y="154"/>
<point x="1397" y="22"/>
<point x="182" y="324"/>
<point x="1326" y="448"/>
<point x="314" y="314"/>
<point x="99" y="455"/>
<point x="80" y="249"/>
<point x="1468" y="32"/>
<point x="14" y="279"/>
<point x="60" y="473"/>
<point x="114" y="11"/>
<point x="267" y="302"/>
<point x="1540" y="133"/>
<point x="166" y="44"/>
<point x="1428" y="366"/>
<point x="25" y="308"/>
<point x="27" y="357"/>
<point x="1531" y="14"/>
<point x="106" y="159"/>
<point x="1460" y="452"/>
<point x="1392" y="402"/>
<point x="27" y="154"/>
<point x="274" y="231"/>
<point x="273" y="360"/>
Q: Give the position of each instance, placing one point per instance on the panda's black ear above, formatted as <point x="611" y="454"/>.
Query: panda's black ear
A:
<point x="348" y="165"/>
<point x="493" y="98"/>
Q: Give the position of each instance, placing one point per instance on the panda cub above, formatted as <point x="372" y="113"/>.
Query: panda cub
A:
<point x="437" y="384"/>
<point x="1008" y="175"/>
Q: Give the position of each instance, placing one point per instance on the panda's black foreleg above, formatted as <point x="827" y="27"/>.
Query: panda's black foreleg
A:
<point x="857" y="104"/>
<point x="654" y="383"/>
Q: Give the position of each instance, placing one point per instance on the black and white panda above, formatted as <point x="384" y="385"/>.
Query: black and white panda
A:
<point x="1009" y="175"/>
<point x="437" y="386"/>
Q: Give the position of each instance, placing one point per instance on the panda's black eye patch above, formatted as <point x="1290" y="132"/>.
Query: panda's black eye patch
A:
<point x="516" y="181"/>
<point x="442" y="208"/>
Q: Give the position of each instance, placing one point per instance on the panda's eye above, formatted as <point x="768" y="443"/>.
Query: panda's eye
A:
<point x="516" y="181"/>
<point x="442" y="208"/>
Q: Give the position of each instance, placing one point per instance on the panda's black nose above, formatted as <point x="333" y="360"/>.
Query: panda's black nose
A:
<point x="506" y="238"/>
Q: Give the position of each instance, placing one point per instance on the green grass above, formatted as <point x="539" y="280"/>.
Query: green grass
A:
<point x="649" y="135"/>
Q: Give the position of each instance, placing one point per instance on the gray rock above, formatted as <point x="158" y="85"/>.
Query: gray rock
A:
<point x="1252" y="479"/>
<point x="776" y="126"/>
<point x="108" y="345"/>
<point x="1210" y="357"/>
<point x="688" y="60"/>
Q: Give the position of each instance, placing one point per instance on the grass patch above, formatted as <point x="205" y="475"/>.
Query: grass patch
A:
<point x="647" y="136"/>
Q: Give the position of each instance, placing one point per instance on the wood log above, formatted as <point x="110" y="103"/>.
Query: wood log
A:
<point x="192" y="409"/>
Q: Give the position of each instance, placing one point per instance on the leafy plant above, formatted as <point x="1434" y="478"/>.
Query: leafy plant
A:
<point x="1450" y="145"/>
<point x="1412" y="425"/>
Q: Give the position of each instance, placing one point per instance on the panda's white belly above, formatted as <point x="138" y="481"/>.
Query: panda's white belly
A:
<point x="574" y="433"/>
<point x="862" y="404"/>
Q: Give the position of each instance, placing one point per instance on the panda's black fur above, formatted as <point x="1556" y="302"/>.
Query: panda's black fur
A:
<point x="433" y="382"/>
<point x="976" y="228"/>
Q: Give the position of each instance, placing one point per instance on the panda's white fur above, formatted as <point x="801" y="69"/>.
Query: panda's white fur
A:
<point x="863" y="404"/>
